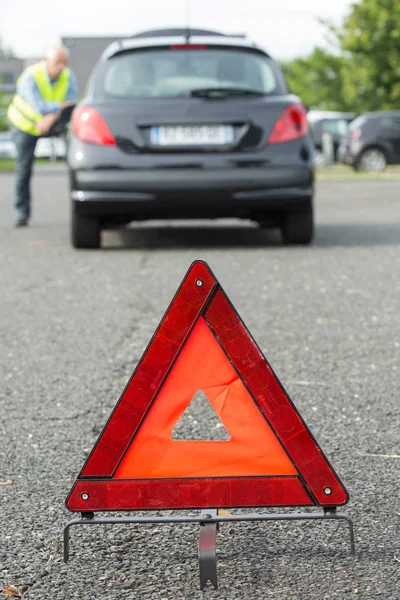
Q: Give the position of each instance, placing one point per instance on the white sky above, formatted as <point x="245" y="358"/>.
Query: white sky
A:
<point x="285" y="28"/>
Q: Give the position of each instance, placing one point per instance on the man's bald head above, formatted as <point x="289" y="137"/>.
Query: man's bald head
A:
<point x="56" y="60"/>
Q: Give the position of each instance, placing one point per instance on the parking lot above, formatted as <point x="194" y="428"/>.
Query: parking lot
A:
<point x="73" y="325"/>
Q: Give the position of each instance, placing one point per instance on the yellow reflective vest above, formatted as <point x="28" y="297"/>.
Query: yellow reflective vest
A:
<point x="21" y="114"/>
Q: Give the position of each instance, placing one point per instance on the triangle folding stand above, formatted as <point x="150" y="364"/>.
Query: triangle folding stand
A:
<point x="270" y="458"/>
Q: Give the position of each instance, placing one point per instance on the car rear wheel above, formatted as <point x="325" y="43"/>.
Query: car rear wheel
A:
<point x="85" y="231"/>
<point x="372" y="160"/>
<point x="298" y="227"/>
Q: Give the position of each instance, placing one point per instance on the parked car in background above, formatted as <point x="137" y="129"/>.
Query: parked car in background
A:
<point x="373" y="141"/>
<point x="51" y="147"/>
<point x="54" y="147"/>
<point x="189" y="126"/>
<point x="334" y="123"/>
<point x="7" y="146"/>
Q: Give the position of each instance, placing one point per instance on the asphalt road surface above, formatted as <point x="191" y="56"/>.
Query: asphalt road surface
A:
<point x="73" y="324"/>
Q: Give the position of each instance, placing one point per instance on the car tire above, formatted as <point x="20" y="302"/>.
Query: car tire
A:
<point x="298" y="227"/>
<point x="85" y="231"/>
<point x="372" y="160"/>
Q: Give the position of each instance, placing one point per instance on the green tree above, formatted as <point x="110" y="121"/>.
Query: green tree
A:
<point x="370" y="41"/>
<point x="363" y="72"/>
<point x="318" y="80"/>
<point x="5" y="100"/>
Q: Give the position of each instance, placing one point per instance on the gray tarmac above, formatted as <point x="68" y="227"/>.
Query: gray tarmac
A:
<point x="73" y="325"/>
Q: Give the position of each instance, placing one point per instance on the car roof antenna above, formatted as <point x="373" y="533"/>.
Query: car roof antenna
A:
<point x="187" y="19"/>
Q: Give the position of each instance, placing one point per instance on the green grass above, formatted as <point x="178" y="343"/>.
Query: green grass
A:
<point x="8" y="165"/>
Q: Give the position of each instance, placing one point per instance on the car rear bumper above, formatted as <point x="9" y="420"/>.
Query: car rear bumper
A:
<point x="190" y="192"/>
<point x="155" y="181"/>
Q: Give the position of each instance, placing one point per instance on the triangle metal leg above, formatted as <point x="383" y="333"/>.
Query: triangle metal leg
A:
<point x="208" y="550"/>
<point x="209" y="521"/>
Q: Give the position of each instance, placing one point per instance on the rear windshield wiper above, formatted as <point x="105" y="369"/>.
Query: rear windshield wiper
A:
<point x="221" y="92"/>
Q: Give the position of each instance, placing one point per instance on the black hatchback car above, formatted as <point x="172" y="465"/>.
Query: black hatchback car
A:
<point x="197" y="124"/>
<point x="373" y="141"/>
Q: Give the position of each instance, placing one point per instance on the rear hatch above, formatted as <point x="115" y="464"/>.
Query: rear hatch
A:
<point x="192" y="98"/>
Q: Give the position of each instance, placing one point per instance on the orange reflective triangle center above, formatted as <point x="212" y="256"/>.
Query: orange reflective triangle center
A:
<point x="253" y="448"/>
<point x="270" y="458"/>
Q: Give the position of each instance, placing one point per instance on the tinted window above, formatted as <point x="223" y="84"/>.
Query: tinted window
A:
<point x="168" y="73"/>
<point x="335" y="126"/>
<point x="358" y="122"/>
<point x="390" y="123"/>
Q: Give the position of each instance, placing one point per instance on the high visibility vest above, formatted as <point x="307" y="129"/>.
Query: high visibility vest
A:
<point x="21" y="114"/>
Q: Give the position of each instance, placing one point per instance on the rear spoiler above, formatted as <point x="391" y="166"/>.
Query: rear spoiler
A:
<point x="121" y="47"/>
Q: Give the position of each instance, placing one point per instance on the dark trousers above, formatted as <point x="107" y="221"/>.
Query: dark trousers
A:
<point x="25" y="145"/>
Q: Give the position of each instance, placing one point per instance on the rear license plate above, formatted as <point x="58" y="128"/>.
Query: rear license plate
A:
<point x="197" y="135"/>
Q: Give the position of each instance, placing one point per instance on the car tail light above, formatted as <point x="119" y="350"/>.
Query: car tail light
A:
<point x="291" y="125"/>
<point x="355" y="134"/>
<point x="89" y="126"/>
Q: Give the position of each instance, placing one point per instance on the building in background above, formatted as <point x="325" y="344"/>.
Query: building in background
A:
<point x="10" y="70"/>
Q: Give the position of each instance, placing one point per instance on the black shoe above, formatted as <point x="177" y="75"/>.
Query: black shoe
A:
<point x="22" y="222"/>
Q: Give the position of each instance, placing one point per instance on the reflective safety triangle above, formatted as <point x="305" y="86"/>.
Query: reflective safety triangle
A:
<point x="269" y="457"/>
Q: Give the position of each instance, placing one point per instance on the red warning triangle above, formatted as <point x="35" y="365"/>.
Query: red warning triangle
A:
<point x="270" y="458"/>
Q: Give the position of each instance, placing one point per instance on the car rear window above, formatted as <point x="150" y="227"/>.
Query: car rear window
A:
<point x="335" y="126"/>
<point x="168" y="72"/>
<point x="358" y="122"/>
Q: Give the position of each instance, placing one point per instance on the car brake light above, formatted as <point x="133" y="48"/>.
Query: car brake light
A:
<point x="188" y="47"/>
<point x="355" y="134"/>
<point x="89" y="126"/>
<point x="291" y="125"/>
